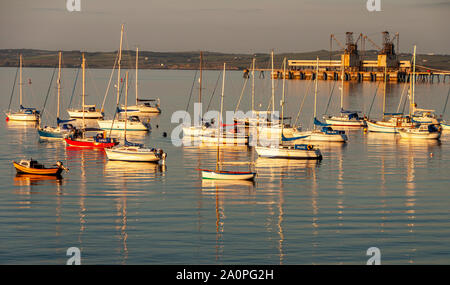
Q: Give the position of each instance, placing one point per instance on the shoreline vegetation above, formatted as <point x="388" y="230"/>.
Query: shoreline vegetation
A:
<point x="188" y="60"/>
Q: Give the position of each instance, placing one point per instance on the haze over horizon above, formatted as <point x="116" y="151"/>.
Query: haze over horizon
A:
<point x="232" y="26"/>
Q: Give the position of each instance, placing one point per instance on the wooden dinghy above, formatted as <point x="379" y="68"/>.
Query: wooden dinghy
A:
<point x="33" y="167"/>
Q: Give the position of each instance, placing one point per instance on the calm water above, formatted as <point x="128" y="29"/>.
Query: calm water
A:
<point x="377" y="190"/>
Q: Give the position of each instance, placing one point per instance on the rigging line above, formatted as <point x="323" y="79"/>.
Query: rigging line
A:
<point x="373" y="99"/>
<point x="404" y="105"/>
<point x="214" y="91"/>
<point x="93" y="81"/>
<point x="12" y="92"/>
<point x="331" y="94"/>
<point x="445" y="105"/>
<point x="242" y="93"/>
<point x="190" y="93"/>
<point x="48" y="91"/>
<point x="74" y="86"/>
<point x="303" y="101"/>
<point x="115" y="112"/>
<point x="109" y="82"/>
<point x="401" y="98"/>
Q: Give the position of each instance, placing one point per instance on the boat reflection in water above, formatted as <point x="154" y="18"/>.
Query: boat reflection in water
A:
<point x="34" y="179"/>
<point x="138" y="172"/>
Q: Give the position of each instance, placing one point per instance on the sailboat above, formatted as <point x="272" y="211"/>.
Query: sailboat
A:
<point x="423" y="131"/>
<point x="24" y="113"/>
<point x="203" y="128"/>
<point x="346" y="118"/>
<point x="325" y="133"/>
<point x="143" y="106"/>
<point x="422" y="116"/>
<point x="58" y="132"/>
<point x="133" y="151"/>
<point x="272" y="128"/>
<point x="133" y="122"/>
<point x="230" y="137"/>
<point x="396" y="121"/>
<point x="79" y="138"/>
<point x="281" y="150"/>
<point x="86" y="112"/>
<point x="444" y="124"/>
<point x="219" y="173"/>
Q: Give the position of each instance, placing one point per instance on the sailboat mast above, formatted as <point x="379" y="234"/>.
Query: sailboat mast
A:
<point x="59" y="83"/>
<point x="126" y="100"/>
<point x="315" y="90"/>
<point x="83" y="66"/>
<point x="282" y="100"/>
<point x="200" y="78"/>
<point x="414" y="82"/>
<point x="118" y="62"/>
<point x="137" y="59"/>
<point x="219" y="133"/>
<point x="20" y="64"/>
<point x="273" y="87"/>
<point x="384" y="92"/>
<point x="253" y="85"/>
<point x="342" y="86"/>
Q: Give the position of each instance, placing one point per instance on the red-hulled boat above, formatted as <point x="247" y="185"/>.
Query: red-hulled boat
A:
<point x="79" y="138"/>
<point x="98" y="141"/>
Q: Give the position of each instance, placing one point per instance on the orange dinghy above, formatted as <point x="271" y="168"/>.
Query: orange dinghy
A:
<point x="33" y="167"/>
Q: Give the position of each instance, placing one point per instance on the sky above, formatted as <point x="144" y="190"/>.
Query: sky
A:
<point x="232" y="26"/>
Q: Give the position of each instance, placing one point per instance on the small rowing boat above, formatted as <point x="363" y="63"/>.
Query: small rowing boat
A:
<point x="33" y="167"/>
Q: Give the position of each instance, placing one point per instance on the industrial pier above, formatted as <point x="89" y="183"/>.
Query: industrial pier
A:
<point x="357" y="68"/>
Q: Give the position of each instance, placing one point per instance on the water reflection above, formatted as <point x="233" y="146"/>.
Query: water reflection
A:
<point x="119" y="172"/>
<point x="21" y="125"/>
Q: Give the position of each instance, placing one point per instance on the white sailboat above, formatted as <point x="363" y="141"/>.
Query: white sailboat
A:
<point x="325" y="133"/>
<point x="143" y="106"/>
<point x="85" y="112"/>
<point x="272" y="128"/>
<point x="346" y="118"/>
<point x="133" y="123"/>
<point x="424" y="131"/>
<point x="218" y="135"/>
<point x="203" y="129"/>
<point x="60" y="131"/>
<point x="24" y="113"/>
<point x="396" y="121"/>
<point x="219" y="173"/>
<point x="280" y="150"/>
<point x="132" y="151"/>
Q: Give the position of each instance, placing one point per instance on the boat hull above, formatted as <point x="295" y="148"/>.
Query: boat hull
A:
<point x="89" y="143"/>
<point x="23" y="117"/>
<point x="197" y="131"/>
<point x="345" y="123"/>
<point x="227" y="175"/>
<point x="320" y="137"/>
<point x="445" y="126"/>
<point x="132" y="156"/>
<point x="44" y="171"/>
<point x="52" y="134"/>
<point x="291" y="153"/>
<point x="417" y="135"/>
<point x="77" y="114"/>
<point x="120" y="126"/>
<point x="143" y="109"/>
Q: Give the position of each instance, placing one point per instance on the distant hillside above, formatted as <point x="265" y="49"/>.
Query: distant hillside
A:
<point x="185" y="60"/>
